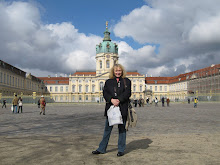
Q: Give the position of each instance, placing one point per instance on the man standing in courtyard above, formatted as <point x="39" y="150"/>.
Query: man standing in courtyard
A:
<point x="15" y="104"/>
<point x="42" y="104"/>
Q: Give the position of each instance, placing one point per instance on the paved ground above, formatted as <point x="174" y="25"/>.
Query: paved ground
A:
<point x="179" y="134"/>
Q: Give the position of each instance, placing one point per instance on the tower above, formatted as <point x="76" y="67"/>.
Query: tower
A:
<point x="106" y="54"/>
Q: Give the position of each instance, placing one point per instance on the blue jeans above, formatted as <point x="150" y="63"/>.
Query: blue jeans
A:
<point x="121" y="138"/>
<point x="15" y="108"/>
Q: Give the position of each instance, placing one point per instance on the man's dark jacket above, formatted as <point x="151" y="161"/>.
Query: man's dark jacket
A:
<point x="123" y="93"/>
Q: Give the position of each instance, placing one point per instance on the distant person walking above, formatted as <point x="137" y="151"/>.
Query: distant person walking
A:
<point x="139" y="102"/>
<point x="43" y="105"/>
<point x="162" y="101"/>
<point x="156" y="102"/>
<point x="142" y="102"/>
<point x="38" y="103"/>
<point x="15" y="104"/>
<point x="4" y="103"/>
<point x="195" y="102"/>
<point x="20" y="104"/>
<point x="135" y="103"/>
<point x="188" y="100"/>
<point x="147" y="100"/>
<point x="168" y="102"/>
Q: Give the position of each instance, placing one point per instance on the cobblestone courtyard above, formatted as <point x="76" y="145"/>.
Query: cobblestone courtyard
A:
<point x="179" y="134"/>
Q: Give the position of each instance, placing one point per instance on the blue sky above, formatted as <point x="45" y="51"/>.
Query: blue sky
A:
<point x="88" y="16"/>
<point x="155" y="37"/>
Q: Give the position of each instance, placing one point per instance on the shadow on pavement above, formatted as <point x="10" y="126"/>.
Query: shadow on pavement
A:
<point x="138" y="144"/>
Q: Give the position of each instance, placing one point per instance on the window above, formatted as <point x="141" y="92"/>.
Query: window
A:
<point x="56" y="89"/>
<point x="150" y="87"/>
<point x="141" y="88"/>
<point x="107" y="64"/>
<point x="51" y="89"/>
<point x="101" y="86"/>
<point x="93" y="98"/>
<point x="155" y="88"/>
<point x="7" y="79"/>
<point x="100" y="64"/>
<point x="67" y="88"/>
<point x="61" y="98"/>
<point x="61" y="89"/>
<point x="134" y="88"/>
<point x="160" y="88"/>
<point x="80" y="98"/>
<point x="73" y="88"/>
<point x="80" y="88"/>
<point x="4" y="78"/>
<point x="165" y="88"/>
<point x="87" y="97"/>
<point x="93" y="88"/>
<point x="1" y="78"/>
<point x="87" y="88"/>
<point x="73" y="98"/>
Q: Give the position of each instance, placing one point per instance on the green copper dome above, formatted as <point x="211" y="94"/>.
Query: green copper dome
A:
<point x="107" y="46"/>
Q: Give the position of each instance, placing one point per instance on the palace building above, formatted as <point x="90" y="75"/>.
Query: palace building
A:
<point x="14" y="80"/>
<point x="87" y="86"/>
<point x="203" y="84"/>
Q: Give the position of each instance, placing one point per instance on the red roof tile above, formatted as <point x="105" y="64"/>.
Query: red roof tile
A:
<point x="55" y="80"/>
<point x="84" y="73"/>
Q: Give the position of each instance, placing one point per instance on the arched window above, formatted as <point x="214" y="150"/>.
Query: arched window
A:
<point x="100" y="64"/>
<point x="107" y="64"/>
<point x="101" y="86"/>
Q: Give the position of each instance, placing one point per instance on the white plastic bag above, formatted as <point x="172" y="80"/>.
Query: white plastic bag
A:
<point x="114" y="116"/>
<point x="12" y="108"/>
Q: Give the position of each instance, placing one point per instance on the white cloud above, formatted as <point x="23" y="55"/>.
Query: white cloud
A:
<point x="186" y="33"/>
<point x="185" y="30"/>
<point x="48" y="48"/>
<point x="206" y="32"/>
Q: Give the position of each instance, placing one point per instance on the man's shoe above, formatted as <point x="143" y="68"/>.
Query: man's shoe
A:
<point x="120" y="154"/>
<point x="96" y="152"/>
